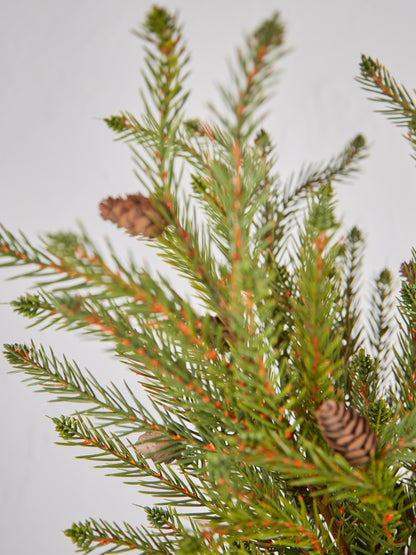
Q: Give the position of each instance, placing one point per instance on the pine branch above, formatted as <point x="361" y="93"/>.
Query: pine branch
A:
<point x="113" y="538"/>
<point x="167" y="364"/>
<point x="330" y="475"/>
<point x="189" y="250"/>
<point x="317" y="343"/>
<point x="285" y="203"/>
<point x="192" y="139"/>
<point x="380" y="318"/>
<point x="340" y="486"/>
<point x="67" y="383"/>
<point x="400" y="437"/>
<point x="170" y="57"/>
<point x="271" y="522"/>
<point x="165" y="60"/>
<point x="111" y="453"/>
<point x="401" y="107"/>
<point x="351" y="311"/>
<point x="18" y="251"/>
<point x="184" y="244"/>
<point x="404" y="367"/>
<point x="365" y="385"/>
<point x="255" y="74"/>
<point x="68" y="261"/>
<point x="109" y="291"/>
<point x="339" y="168"/>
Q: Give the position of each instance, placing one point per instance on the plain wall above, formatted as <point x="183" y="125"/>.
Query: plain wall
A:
<point x="65" y="65"/>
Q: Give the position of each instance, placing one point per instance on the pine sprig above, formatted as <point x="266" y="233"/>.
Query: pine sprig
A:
<point x="400" y="106"/>
<point x="339" y="168"/>
<point x="114" y="538"/>
<point x="381" y="318"/>
<point x="317" y="343"/>
<point x="157" y="169"/>
<point x="400" y="435"/>
<point x="351" y="313"/>
<point x="65" y="261"/>
<point x="404" y="367"/>
<point x="68" y="383"/>
<point x="270" y="518"/>
<point x="263" y="48"/>
<point x="111" y="453"/>
<point x="109" y="290"/>
<point x="167" y="363"/>
<point x="165" y="64"/>
<point x="286" y="202"/>
<point x="365" y="381"/>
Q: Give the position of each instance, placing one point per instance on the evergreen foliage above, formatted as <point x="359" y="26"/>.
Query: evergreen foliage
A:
<point x="273" y="328"/>
<point x="398" y="104"/>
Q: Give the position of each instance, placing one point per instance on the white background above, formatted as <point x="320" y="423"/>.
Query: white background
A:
<point x="65" y="65"/>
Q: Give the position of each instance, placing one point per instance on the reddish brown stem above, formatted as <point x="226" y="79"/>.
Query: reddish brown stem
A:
<point x="333" y="525"/>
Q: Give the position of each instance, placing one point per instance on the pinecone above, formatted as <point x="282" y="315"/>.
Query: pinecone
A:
<point x="407" y="271"/>
<point x="135" y="213"/>
<point x="226" y="335"/>
<point x="346" y="431"/>
<point x="152" y="445"/>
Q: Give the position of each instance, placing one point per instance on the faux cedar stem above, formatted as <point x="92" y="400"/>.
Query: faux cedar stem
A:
<point x="332" y="524"/>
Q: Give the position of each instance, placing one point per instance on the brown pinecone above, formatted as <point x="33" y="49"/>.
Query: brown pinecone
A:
<point x="226" y="335"/>
<point x="346" y="431"/>
<point x="152" y="445"/>
<point x="407" y="271"/>
<point x="135" y="213"/>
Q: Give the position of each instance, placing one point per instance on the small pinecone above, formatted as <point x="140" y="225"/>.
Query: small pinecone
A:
<point x="346" y="431"/>
<point x="407" y="271"/>
<point x="135" y="213"/>
<point x="226" y="335"/>
<point x="151" y="445"/>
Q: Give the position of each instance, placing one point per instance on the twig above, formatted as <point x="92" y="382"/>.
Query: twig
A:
<point x="332" y="523"/>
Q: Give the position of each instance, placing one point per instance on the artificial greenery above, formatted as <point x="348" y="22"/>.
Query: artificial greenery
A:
<point x="272" y="328"/>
